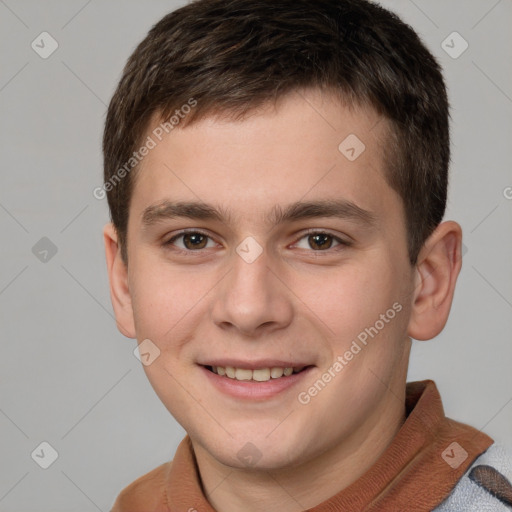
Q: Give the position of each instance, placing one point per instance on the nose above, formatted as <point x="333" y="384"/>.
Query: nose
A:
<point x="252" y="299"/>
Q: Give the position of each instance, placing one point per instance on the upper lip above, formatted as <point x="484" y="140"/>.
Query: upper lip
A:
<point x="254" y="365"/>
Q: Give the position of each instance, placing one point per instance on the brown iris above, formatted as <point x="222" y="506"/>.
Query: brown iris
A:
<point x="320" y="241"/>
<point x="194" y="241"/>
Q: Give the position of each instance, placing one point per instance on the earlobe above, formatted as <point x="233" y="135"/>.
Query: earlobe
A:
<point x="118" y="279"/>
<point x="438" y="266"/>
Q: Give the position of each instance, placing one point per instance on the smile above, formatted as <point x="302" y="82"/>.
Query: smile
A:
<point x="259" y="383"/>
<point x="258" y="374"/>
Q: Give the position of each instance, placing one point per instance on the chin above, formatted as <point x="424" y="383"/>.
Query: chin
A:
<point x="256" y="449"/>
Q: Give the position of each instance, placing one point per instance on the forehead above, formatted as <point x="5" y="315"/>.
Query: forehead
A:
<point x="306" y="146"/>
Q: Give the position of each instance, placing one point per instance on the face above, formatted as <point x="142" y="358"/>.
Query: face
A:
<point x="268" y="243"/>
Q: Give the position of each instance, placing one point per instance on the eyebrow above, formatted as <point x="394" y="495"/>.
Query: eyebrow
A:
<point x="198" y="210"/>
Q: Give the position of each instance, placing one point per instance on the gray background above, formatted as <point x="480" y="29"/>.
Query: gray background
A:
<point x="67" y="376"/>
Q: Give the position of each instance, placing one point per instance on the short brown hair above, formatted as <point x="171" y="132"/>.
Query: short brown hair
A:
<point x="232" y="56"/>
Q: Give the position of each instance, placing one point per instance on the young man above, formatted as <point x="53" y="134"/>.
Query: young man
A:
<point x="277" y="177"/>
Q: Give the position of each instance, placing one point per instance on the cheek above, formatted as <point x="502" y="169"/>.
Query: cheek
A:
<point x="350" y="298"/>
<point x="163" y="297"/>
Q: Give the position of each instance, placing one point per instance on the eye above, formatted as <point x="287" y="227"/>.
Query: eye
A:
<point x="191" y="241"/>
<point x="320" y="241"/>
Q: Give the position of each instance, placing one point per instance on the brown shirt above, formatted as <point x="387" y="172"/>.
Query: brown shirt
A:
<point x="416" y="472"/>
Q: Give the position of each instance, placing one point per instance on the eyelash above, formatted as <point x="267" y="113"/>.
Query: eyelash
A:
<point x="341" y="242"/>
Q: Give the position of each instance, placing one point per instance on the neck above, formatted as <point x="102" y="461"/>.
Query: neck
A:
<point x="306" y="485"/>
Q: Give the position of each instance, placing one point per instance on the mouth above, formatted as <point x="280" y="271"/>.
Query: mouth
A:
<point x="261" y="382"/>
<point x="256" y="374"/>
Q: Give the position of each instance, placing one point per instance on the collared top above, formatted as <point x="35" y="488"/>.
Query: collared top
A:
<point x="417" y="471"/>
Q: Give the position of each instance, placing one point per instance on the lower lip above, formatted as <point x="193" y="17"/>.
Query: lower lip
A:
<point x="250" y="389"/>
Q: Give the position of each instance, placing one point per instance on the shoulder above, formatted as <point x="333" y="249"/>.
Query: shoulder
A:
<point x="486" y="486"/>
<point x="146" y="494"/>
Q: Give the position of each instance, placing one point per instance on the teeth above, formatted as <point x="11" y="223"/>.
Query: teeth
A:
<point x="260" y="375"/>
<point x="241" y="374"/>
<point x="275" y="373"/>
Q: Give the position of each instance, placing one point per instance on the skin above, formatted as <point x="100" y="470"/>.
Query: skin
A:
<point x="294" y="301"/>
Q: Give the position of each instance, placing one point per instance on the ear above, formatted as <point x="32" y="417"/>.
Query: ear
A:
<point x="118" y="278"/>
<point x="439" y="264"/>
